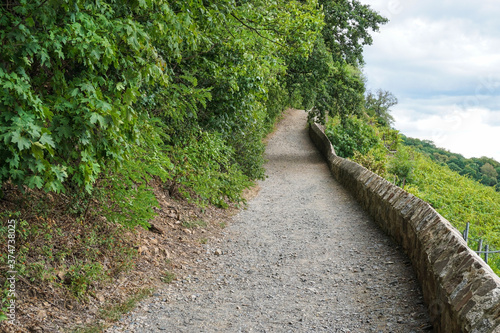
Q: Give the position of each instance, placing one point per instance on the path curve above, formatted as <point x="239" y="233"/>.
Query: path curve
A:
<point x="303" y="257"/>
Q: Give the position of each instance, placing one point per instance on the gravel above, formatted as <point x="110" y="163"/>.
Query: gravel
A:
<point x="303" y="257"/>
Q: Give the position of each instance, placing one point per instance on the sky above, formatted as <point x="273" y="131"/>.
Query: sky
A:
<point x="441" y="59"/>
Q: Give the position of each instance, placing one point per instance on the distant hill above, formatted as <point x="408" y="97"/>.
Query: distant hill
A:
<point x="484" y="169"/>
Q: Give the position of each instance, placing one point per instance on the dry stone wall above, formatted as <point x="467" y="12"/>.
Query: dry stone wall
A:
<point x="460" y="289"/>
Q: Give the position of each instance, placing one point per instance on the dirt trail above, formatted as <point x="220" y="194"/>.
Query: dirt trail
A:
<point x="303" y="257"/>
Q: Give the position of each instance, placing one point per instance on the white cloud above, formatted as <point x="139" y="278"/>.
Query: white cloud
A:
<point x="442" y="62"/>
<point x="456" y="131"/>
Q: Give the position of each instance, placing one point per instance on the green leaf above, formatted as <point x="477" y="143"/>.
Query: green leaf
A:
<point x="14" y="161"/>
<point x="74" y="92"/>
<point x="40" y="166"/>
<point x="96" y="117"/>
<point x="29" y="22"/>
<point x="22" y="142"/>
<point x="60" y="173"/>
<point x="37" y="150"/>
<point x="65" y="131"/>
<point x="45" y="58"/>
<point x="35" y="181"/>
<point x="46" y="112"/>
<point x="128" y="96"/>
<point x="17" y="174"/>
<point x="46" y="140"/>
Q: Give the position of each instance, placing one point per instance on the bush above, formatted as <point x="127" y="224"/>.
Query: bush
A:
<point x="204" y="166"/>
<point x="374" y="160"/>
<point x="402" y="165"/>
<point x="68" y="105"/>
<point x="351" y="135"/>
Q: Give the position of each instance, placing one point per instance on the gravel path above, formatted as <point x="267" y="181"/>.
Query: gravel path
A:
<point x="303" y="257"/>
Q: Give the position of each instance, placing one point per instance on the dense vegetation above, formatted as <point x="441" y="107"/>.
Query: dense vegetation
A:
<point x="90" y="90"/>
<point x="412" y="164"/>
<point x="484" y="170"/>
<point x="101" y="99"/>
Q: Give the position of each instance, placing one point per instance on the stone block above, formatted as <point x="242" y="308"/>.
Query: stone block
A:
<point x="462" y="292"/>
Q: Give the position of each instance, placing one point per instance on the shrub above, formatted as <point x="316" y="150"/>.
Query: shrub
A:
<point x="351" y="135"/>
<point x="204" y="166"/>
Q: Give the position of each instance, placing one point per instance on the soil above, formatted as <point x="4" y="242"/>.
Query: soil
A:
<point x="173" y="245"/>
<point x="302" y="257"/>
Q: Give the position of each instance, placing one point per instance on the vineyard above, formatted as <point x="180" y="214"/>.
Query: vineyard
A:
<point x="458" y="198"/>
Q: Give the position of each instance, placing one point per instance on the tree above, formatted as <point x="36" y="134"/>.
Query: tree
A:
<point x="472" y="171"/>
<point x="459" y="160"/>
<point x="488" y="170"/>
<point x="347" y="29"/>
<point x="351" y="135"/>
<point x="488" y="181"/>
<point x="80" y="79"/>
<point x="70" y="76"/>
<point x="379" y="104"/>
<point x="454" y="167"/>
<point x="402" y="165"/>
<point x="329" y="81"/>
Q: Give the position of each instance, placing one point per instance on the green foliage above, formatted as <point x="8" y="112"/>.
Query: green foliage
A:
<point x="458" y="198"/>
<point x="402" y="166"/>
<point x="80" y="276"/>
<point x="347" y="28"/>
<point x="378" y="105"/>
<point x="361" y="140"/>
<point x="391" y="138"/>
<point x="483" y="170"/>
<point x="351" y="135"/>
<point x="125" y="195"/>
<point x="70" y="75"/>
<point x="374" y="160"/>
<point x="329" y="80"/>
<point x="326" y="87"/>
<point x="488" y="170"/>
<point x="204" y="166"/>
<point x="112" y="95"/>
<point x="5" y="300"/>
<point x="343" y="94"/>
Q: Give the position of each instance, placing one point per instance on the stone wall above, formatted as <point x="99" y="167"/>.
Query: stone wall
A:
<point x="460" y="289"/>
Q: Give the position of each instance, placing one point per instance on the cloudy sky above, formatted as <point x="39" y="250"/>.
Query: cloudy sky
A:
<point x="442" y="61"/>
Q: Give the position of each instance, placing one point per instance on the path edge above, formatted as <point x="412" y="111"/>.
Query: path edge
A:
<point x="461" y="291"/>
